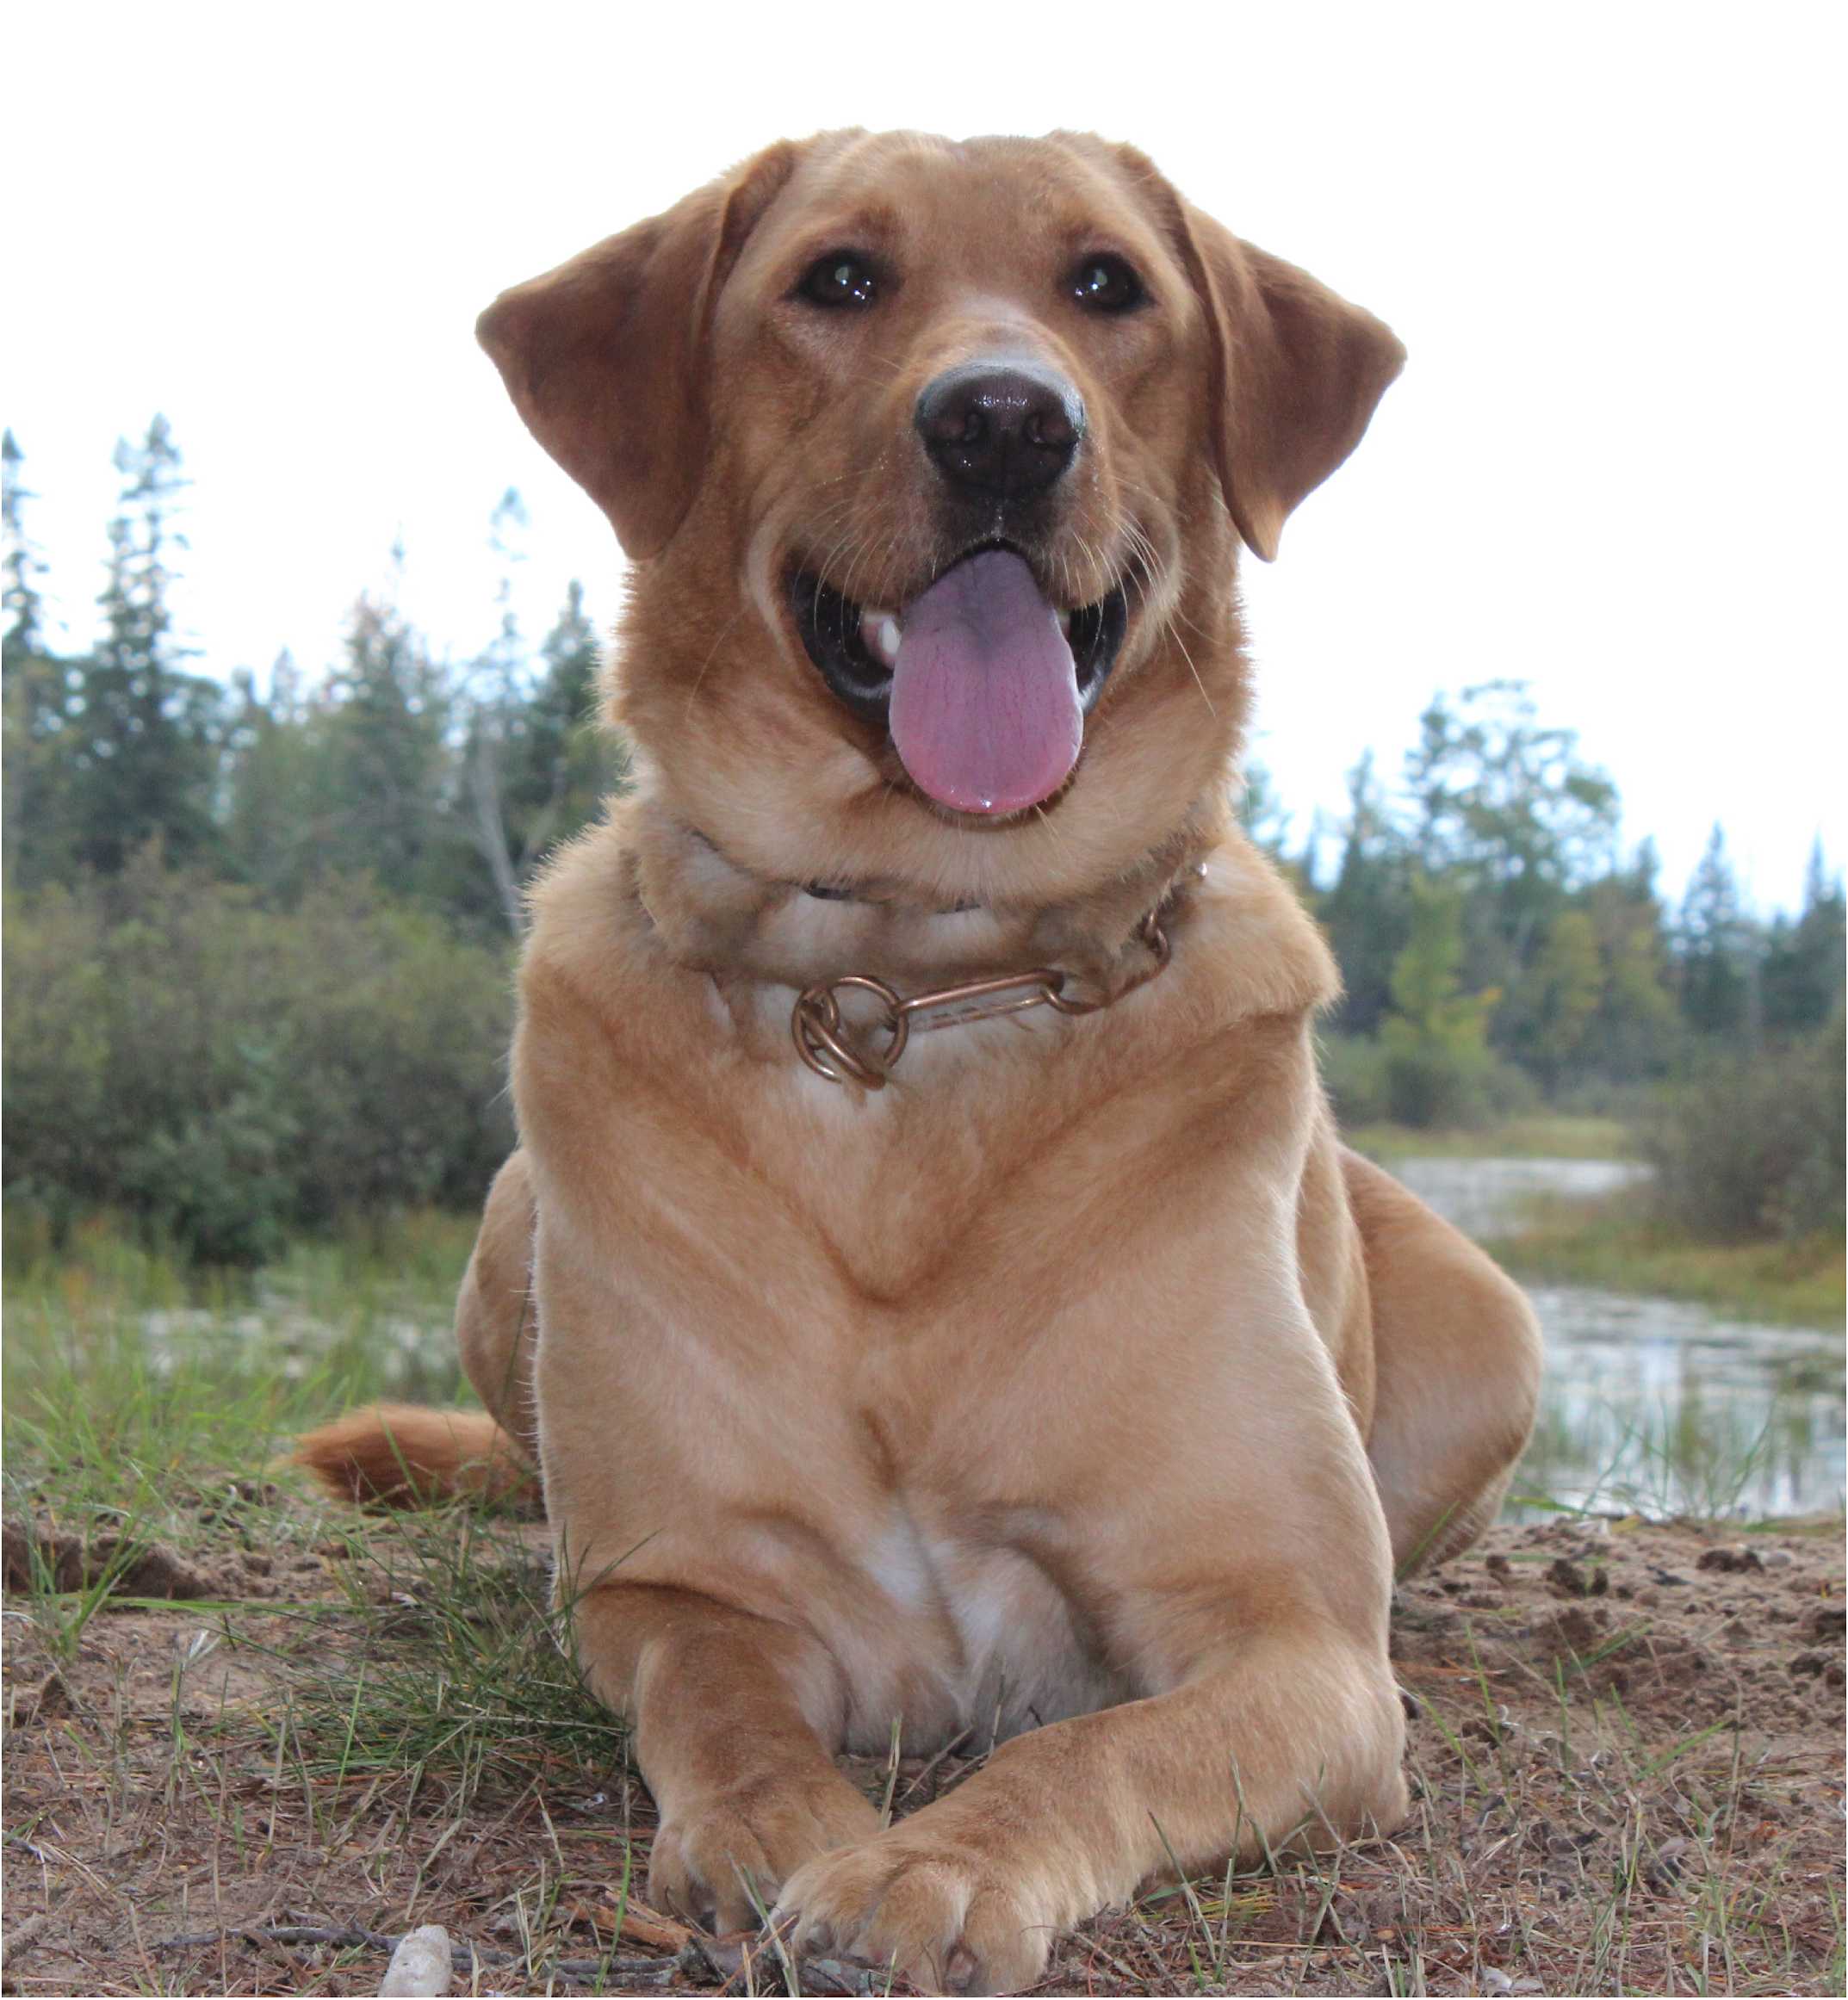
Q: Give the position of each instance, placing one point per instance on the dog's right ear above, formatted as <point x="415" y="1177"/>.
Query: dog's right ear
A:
<point x="605" y="357"/>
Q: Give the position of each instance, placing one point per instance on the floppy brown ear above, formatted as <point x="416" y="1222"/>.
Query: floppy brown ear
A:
<point x="1298" y="373"/>
<point x="605" y="357"/>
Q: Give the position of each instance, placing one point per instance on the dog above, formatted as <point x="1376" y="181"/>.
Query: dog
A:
<point x="929" y="1285"/>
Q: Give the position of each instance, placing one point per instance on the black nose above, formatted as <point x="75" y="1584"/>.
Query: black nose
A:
<point x="1007" y="432"/>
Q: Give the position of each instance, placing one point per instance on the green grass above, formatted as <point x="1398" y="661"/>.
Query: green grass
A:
<point x="112" y="1259"/>
<point x="110" y="1427"/>
<point x="416" y="1681"/>
<point x="122" y="1367"/>
<point x="1545" y="1136"/>
<point x="467" y="1677"/>
<point x="1619" y="1245"/>
<point x="146" y="1403"/>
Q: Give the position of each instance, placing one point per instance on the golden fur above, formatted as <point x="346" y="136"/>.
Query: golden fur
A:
<point x="1076" y="1385"/>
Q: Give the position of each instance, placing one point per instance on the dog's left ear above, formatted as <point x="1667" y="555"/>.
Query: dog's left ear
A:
<point x="606" y="356"/>
<point x="1298" y="373"/>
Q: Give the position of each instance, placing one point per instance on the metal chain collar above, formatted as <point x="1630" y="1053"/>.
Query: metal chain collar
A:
<point x="824" y="1040"/>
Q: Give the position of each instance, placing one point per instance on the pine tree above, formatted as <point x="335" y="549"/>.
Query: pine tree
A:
<point x="1716" y="947"/>
<point x="145" y="734"/>
<point x="575" y="760"/>
<point x="540" y="764"/>
<point x="1803" y="961"/>
<point x="36" y="696"/>
<point x="21" y="564"/>
<point x="383" y="759"/>
<point x="276" y="816"/>
<point x="1368" y="909"/>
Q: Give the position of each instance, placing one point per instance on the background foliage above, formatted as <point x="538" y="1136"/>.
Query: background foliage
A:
<point x="259" y="939"/>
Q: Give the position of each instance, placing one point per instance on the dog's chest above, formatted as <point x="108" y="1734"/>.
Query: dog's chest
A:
<point x="961" y="1639"/>
<point x="946" y="1174"/>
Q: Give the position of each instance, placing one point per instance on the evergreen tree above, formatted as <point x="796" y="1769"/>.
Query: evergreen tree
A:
<point x="20" y="563"/>
<point x="383" y="771"/>
<point x="541" y="762"/>
<point x="571" y="759"/>
<point x="1717" y="953"/>
<point x="279" y="817"/>
<point x="1803" y="961"/>
<point x="36" y="694"/>
<point x="145" y="735"/>
<point x="1368" y="909"/>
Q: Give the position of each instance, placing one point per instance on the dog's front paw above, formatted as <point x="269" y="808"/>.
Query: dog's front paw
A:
<point x="722" y="1864"/>
<point x="936" y="1910"/>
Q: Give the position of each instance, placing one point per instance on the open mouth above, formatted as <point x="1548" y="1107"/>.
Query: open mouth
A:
<point x="981" y="683"/>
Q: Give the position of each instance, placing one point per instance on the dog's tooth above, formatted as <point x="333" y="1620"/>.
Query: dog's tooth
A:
<point x="879" y="633"/>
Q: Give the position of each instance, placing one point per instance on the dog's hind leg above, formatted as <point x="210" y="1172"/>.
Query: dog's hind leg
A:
<point x="1457" y="1361"/>
<point x="403" y="1456"/>
<point x="494" y="1317"/>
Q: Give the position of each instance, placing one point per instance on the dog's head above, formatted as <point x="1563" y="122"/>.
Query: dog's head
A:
<point x="932" y="459"/>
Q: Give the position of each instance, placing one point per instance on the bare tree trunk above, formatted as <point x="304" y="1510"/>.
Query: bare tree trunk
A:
<point x="490" y="830"/>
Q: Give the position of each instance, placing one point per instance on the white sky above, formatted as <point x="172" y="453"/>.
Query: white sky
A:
<point x="1609" y="233"/>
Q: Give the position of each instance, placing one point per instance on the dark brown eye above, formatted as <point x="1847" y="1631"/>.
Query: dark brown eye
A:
<point x="842" y="278"/>
<point x="1107" y="284"/>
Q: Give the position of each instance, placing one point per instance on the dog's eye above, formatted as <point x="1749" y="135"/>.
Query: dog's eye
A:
<point x="840" y="278"/>
<point x="1107" y="284"/>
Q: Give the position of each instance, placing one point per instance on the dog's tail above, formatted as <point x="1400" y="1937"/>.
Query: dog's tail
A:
<point x="395" y="1454"/>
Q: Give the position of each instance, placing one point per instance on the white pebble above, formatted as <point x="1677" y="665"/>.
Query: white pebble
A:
<point x="420" y="1967"/>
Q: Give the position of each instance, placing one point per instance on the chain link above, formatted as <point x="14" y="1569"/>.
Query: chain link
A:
<point x="825" y="1040"/>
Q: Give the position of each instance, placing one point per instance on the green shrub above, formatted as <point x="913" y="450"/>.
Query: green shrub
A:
<point x="1752" y="1147"/>
<point x="1402" y="1079"/>
<point x="1450" y="1086"/>
<point x="1353" y="1071"/>
<point x="229" y="1073"/>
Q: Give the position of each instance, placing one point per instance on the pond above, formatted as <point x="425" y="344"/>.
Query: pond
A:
<point x="1651" y="1403"/>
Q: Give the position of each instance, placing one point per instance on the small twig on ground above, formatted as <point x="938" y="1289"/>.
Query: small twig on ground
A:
<point x="739" y="1961"/>
<point x="22" y="1933"/>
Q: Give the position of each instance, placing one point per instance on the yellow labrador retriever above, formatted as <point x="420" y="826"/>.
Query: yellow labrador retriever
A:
<point x="951" y="1309"/>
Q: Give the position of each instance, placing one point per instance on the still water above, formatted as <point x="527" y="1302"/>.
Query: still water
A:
<point x="1653" y="1404"/>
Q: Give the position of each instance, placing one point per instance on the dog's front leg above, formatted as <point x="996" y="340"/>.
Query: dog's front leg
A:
<point x="1295" y="1729"/>
<point x="727" y="1710"/>
<point x="734" y="1705"/>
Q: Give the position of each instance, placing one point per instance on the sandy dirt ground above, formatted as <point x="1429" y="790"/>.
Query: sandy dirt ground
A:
<point x="1626" y="1753"/>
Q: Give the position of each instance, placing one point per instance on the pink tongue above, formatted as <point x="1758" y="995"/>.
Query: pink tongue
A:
<point x="984" y="695"/>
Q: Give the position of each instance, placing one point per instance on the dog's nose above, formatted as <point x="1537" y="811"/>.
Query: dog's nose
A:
<point x="1010" y="431"/>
